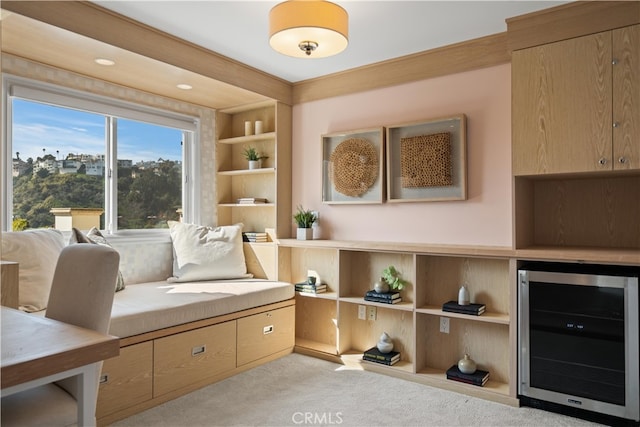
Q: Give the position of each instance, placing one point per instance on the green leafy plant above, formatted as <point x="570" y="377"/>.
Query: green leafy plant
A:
<point x="393" y="279"/>
<point x="251" y="154"/>
<point x="304" y="218"/>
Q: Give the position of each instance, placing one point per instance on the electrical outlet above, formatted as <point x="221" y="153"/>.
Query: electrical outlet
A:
<point x="444" y="325"/>
<point x="371" y="313"/>
<point x="362" y="312"/>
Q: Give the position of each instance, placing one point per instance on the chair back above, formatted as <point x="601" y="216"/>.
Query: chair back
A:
<point x="82" y="292"/>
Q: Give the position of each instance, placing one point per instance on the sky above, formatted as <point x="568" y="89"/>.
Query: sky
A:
<point x="60" y="131"/>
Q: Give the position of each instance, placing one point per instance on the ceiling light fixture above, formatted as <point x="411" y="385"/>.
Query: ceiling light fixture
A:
<point x="308" y="28"/>
<point x="104" y="61"/>
<point x="184" y="86"/>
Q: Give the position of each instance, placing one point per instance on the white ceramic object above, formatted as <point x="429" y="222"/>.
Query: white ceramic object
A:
<point x="463" y="296"/>
<point x="304" y="234"/>
<point x="255" y="164"/>
<point x="467" y="365"/>
<point x="385" y="345"/>
<point x="258" y="127"/>
<point x="248" y="128"/>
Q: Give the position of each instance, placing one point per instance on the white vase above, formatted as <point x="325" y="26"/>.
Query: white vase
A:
<point x="305" y="234"/>
<point x="255" y="164"/>
<point x="467" y="365"/>
<point x="385" y="345"/>
<point x="463" y="296"/>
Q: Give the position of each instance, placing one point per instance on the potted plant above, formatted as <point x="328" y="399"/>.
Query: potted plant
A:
<point x="254" y="158"/>
<point x="390" y="279"/>
<point x="304" y="219"/>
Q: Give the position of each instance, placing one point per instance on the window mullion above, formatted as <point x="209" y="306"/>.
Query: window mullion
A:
<point x="111" y="175"/>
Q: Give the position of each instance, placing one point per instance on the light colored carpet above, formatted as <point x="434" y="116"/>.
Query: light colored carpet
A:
<point x="298" y="390"/>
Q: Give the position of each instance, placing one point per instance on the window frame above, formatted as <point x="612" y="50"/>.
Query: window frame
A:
<point x="112" y="109"/>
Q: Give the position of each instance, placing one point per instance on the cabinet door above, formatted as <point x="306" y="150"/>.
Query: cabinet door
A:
<point x="626" y="98"/>
<point x="561" y="106"/>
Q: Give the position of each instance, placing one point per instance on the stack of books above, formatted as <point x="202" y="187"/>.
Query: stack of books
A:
<point x="254" y="236"/>
<point x="479" y="377"/>
<point x="385" y="298"/>
<point x="251" y="200"/>
<point x="307" y="288"/>
<point x="454" y="307"/>
<point x="374" y="355"/>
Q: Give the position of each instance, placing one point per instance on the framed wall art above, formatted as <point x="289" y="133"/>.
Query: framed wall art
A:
<point x="353" y="167"/>
<point x="427" y="161"/>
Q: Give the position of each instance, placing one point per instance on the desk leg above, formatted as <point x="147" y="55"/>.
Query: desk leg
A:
<point x="87" y="395"/>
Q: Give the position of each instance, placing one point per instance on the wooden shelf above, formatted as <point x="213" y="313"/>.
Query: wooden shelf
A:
<point x="248" y="172"/>
<point x="484" y="317"/>
<point x="247" y="205"/>
<point x="323" y="295"/>
<point x="248" y="139"/>
<point x="407" y="306"/>
<point x="400" y="366"/>
<point x="438" y="378"/>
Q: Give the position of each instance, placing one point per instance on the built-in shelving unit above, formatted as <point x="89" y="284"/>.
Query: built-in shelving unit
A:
<point x="328" y="325"/>
<point x="272" y="181"/>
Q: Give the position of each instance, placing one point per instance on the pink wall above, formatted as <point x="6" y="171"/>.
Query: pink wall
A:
<point x="483" y="219"/>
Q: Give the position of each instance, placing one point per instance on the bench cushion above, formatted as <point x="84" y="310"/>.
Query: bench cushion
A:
<point x="147" y="307"/>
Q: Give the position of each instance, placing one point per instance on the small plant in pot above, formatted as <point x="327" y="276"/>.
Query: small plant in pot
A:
<point x="254" y="158"/>
<point x="390" y="280"/>
<point x="304" y="219"/>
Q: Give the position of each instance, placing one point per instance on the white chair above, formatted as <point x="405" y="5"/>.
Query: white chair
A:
<point x="82" y="294"/>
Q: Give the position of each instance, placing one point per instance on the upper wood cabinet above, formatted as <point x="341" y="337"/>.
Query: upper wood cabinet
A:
<point x="576" y="104"/>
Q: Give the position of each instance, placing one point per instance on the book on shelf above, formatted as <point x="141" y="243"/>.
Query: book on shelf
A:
<point x="251" y="200"/>
<point x="479" y="377"/>
<point x="454" y="307"/>
<point x="310" y="289"/>
<point x="254" y="236"/>
<point x="374" y="355"/>
<point x="386" y="295"/>
<point x="382" y="300"/>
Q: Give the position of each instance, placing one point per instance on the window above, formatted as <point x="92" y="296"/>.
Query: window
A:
<point x="125" y="165"/>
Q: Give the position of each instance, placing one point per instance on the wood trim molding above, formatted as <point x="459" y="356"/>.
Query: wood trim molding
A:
<point x="570" y="20"/>
<point x="465" y="56"/>
<point x="96" y="22"/>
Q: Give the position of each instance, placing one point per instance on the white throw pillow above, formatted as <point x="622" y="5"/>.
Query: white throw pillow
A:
<point x="37" y="253"/>
<point x="206" y="253"/>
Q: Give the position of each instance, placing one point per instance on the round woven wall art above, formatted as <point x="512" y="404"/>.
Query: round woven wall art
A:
<point x="354" y="166"/>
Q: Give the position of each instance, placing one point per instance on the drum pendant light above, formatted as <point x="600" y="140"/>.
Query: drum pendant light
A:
<point x="308" y="28"/>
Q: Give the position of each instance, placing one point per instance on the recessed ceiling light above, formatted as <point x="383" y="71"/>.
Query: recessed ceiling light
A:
<point x="104" y="61"/>
<point x="184" y="86"/>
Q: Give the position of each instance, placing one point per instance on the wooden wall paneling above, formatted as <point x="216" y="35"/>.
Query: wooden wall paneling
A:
<point x="284" y="142"/>
<point x="523" y="212"/>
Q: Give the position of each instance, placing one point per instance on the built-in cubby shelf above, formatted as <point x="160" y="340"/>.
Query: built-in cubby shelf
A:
<point x="329" y="325"/>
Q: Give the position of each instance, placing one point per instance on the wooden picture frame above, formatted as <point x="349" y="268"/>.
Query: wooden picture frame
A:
<point x="353" y="167"/>
<point x="427" y="160"/>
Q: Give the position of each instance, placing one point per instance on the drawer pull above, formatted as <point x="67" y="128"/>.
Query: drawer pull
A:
<point x="198" y="350"/>
<point x="267" y="329"/>
<point x="104" y="379"/>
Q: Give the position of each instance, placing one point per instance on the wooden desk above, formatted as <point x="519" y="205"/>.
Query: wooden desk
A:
<point x="9" y="283"/>
<point x="36" y="350"/>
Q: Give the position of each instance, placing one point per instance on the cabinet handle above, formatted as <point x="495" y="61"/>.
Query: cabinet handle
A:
<point x="614" y="61"/>
<point x="104" y="379"/>
<point x="267" y="329"/>
<point x="622" y="160"/>
<point x="602" y="161"/>
<point x="616" y="124"/>
<point x="198" y="350"/>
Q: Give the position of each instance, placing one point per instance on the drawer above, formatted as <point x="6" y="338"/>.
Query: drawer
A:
<point x="266" y="333"/>
<point x="126" y="380"/>
<point x="186" y="358"/>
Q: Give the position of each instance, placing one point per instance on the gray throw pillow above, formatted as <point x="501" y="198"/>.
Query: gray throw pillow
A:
<point x="95" y="236"/>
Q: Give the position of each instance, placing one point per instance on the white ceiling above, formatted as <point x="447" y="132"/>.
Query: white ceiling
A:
<point x="378" y="30"/>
